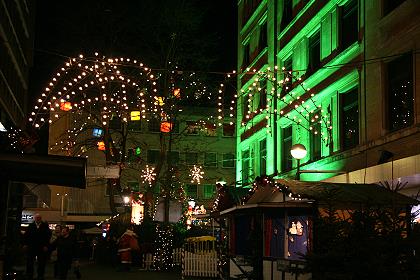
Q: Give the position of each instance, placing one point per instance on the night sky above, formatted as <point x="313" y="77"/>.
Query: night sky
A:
<point x="138" y="29"/>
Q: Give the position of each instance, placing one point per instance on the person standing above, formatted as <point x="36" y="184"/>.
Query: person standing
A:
<point x="36" y="243"/>
<point x="53" y="255"/>
<point x="66" y="252"/>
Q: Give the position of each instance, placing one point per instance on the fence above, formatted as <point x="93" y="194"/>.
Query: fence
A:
<point x="200" y="257"/>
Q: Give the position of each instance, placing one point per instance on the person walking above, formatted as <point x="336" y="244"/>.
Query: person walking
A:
<point x="127" y="243"/>
<point x="66" y="253"/>
<point x="36" y="243"/>
<point x="53" y="254"/>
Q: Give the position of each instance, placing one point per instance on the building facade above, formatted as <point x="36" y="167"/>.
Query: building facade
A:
<point x="192" y="141"/>
<point x="338" y="77"/>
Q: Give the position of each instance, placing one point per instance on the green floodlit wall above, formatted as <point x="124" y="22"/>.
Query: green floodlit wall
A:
<point x="326" y="21"/>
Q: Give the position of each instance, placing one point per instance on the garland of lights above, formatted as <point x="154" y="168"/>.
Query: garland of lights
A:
<point x="164" y="245"/>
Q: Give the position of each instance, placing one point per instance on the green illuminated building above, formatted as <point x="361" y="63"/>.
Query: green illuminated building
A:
<point x="338" y="77"/>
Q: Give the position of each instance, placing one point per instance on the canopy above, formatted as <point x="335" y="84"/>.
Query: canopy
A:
<point x="370" y="194"/>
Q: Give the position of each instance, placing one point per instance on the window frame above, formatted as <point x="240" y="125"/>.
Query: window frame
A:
<point x="205" y="156"/>
<point x="286" y="159"/>
<point x="228" y="160"/>
<point x="344" y="109"/>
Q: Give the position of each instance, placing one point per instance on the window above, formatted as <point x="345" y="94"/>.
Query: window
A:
<point x="209" y="129"/>
<point x="133" y="154"/>
<point x="246" y="55"/>
<point x="191" y="190"/>
<point x="390" y="5"/>
<point x="263" y="157"/>
<point x="263" y="94"/>
<point x="134" y="125"/>
<point x="228" y="160"/>
<point x="173" y="158"/>
<point x="210" y="159"/>
<point x="249" y="7"/>
<point x="349" y="24"/>
<point x="228" y="130"/>
<point x="115" y="122"/>
<point x="288" y="78"/>
<point x="175" y="127"/>
<point x="208" y="191"/>
<point x="133" y="186"/>
<point x="315" y="136"/>
<point x="192" y="128"/>
<point x="245" y="107"/>
<point x="191" y="158"/>
<point x="286" y="159"/>
<point x="400" y="99"/>
<point x="349" y="119"/>
<point x="245" y="167"/>
<point x="287" y="13"/>
<point x="153" y="156"/>
<point x="263" y="36"/>
<point x="314" y="52"/>
<point x="154" y="125"/>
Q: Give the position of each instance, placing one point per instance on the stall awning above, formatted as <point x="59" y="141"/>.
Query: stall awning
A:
<point x="44" y="169"/>
<point x="369" y="194"/>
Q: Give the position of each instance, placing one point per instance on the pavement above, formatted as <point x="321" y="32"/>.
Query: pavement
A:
<point x="93" y="271"/>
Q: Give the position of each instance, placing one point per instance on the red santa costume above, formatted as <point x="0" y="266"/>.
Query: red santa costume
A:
<point x="125" y="245"/>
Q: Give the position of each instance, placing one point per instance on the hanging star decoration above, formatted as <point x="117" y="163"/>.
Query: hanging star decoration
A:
<point x="196" y="174"/>
<point x="148" y="174"/>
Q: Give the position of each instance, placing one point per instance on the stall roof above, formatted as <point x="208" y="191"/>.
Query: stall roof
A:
<point x="372" y="194"/>
<point x="304" y="193"/>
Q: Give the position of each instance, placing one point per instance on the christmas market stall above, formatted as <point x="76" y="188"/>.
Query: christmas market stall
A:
<point x="272" y="230"/>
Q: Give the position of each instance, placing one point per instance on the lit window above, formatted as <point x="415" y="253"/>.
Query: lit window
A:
<point x="349" y="119"/>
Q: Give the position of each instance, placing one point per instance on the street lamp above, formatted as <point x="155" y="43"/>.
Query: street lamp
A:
<point x="298" y="152"/>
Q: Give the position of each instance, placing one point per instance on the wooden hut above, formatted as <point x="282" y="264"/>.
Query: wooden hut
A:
<point x="271" y="232"/>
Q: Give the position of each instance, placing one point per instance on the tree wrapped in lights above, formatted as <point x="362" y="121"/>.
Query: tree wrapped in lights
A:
<point x="97" y="99"/>
<point x="164" y="246"/>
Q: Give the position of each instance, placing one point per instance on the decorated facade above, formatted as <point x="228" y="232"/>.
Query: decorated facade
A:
<point x="335" y="76"/>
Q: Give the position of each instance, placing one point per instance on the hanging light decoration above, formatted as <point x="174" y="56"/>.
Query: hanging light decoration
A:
<point x="148" y="174"/>
<point x="65" y="106"/>
<point x="196" y="174"/>
<point x="101" y="146"/>
<point x="135" y="115"/>
<point x="166" y="126"/>
<point x="177" y="93"/>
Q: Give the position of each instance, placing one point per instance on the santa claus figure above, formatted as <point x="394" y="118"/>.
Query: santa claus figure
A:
<point x="126" y="244"/>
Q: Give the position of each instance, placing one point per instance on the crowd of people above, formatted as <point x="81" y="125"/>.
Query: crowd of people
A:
<point x="60" y="247"/>
<point x="41" y="244"/>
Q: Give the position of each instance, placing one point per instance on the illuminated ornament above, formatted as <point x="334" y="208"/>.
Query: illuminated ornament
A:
<point x="196" y="174"/>
<point x="138" y="151"/>
<point x="159" y="101"/>
<point x="177" y="93"/>
<point x="65" y="106"/>
<point x="101" y="146"/>
<point x="83" y="149"/>
<point x="97" y="132"/>
<point x="165" y="126"/>
<point x="137" y="212"/>
<point x="135" y="115"/>
<point x="148" y="174"/>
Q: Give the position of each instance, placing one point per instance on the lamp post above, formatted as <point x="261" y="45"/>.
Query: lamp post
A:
<point x="298" y="152"/>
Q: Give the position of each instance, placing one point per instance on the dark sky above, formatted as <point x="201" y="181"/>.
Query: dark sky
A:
<point x="139" y="29"/>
